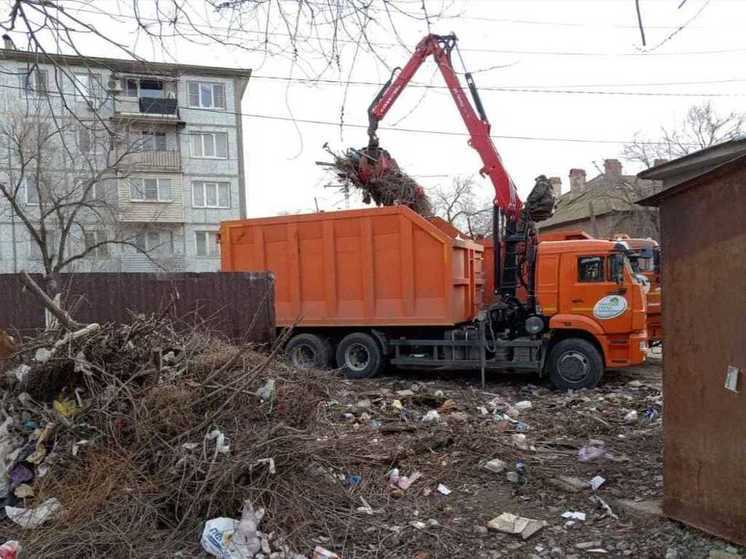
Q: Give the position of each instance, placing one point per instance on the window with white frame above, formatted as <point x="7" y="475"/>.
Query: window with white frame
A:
<point x="212" y="145"/>
<point x="207" y="95"/>
<point x="150" y="189"/>
<point x="96" y="245"/>
<point x="155" y="243"/>
<point x="206" y="194"/>
<point x="207" y="243"/>
<point x="34" y="83"/>
<point x="87" y="85"/>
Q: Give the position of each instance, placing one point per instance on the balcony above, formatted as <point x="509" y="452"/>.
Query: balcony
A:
<point x="151" y="110"/>
<point x="152" y="161"/>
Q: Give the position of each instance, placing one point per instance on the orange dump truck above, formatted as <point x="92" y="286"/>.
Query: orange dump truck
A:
<point x="366" y="288"/>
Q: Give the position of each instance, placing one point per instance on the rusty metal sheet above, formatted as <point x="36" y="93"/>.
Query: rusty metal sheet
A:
<point x="704" y="316"/>
<point x="239" y="306"/>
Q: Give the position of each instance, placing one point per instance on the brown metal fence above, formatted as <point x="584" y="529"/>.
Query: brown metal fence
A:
<point x="239" y="306"/>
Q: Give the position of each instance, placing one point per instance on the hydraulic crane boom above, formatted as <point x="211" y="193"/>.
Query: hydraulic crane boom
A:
<point x="440" y="48"/>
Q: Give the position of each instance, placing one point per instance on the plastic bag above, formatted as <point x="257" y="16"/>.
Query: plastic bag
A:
<point x="35" y="517"/>
<point x="227" y="538"/>
<point x="10" y="549"/>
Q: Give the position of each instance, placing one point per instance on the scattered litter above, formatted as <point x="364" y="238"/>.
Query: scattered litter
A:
<point x="66" y="407"/>
<point x="267" y="391"/>
<point x="405" y="482"/>
<point x="574" y="515"/>
<point x="227" y="538"/>
<point x="321" y="553"/>
<point x="731" y="378"/>
<point x="418" y="524"/>
<point x="594" y="450"/>
<point x="519" y="525"/>
<point x="605" y="506"/>
<point x="24" y="491"/>
<point x="597" y="482"/>
<point x="30" y="518"/>
<point x="10" y="549"/>
<point x="631" y="417"/>
<point x="221" y="446"/>
<point x="443" y="490"/>
<point x="495" y="465"/>
<point x="513" y="477"/>
<point x="352" y="480"/>
<point x="405" y="393"/>
<point x="20" y="372"/>
<point x="523" y="405"/>
<point x="397" y="405"/>
<point x="520" y="441"/>
<point x="431" y="417"/>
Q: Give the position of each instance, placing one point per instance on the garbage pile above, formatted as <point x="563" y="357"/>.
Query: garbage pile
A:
<point x="379" y="179"/>
<point x="142" y="440"/>
<point x="126" y="439"/>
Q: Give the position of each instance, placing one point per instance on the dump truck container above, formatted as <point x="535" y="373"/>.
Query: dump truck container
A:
<point x="372" y="267"/>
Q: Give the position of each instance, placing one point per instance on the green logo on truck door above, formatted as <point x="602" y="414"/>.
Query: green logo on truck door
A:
<point x="609" y="307"/>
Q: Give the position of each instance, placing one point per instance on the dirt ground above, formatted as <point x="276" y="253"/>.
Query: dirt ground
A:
<point x="472" y="429"/>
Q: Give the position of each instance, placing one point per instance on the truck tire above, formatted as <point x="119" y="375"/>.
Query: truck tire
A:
<point x="359" y="355"/>
<point x="309" y="351"/>
<point x="575" y="363"/>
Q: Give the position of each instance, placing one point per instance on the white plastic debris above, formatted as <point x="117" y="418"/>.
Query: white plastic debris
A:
<point x="267" y="391"/>
<point x="321" y="553"/>
<point x="523" y="405"/>
<point x="221" y="446"/>
<point x="519" y="525"/>
<point x="631" y="417"/>
<point x="597" y="482"/>
<point x="443" y="490"/>
<point x="19" y="372"/>
<point x="520" y="441"/>
<point x="405" y="482"/>
<point x="42" y="355"/>
<point x="34" y="517"/>
<point x="495" y="465"/>
<point x="227" y="538"/>
<point x="574" y="515"/>
<point x="594" y="450"/>
<point x="431" y="417"/>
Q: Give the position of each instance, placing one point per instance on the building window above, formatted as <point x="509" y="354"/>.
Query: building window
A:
<point x="153" y="141"/>
<point x="591" y="268"/>
<point x="93" y="244"/>
<point x="155" y="243"/>
<point x="34" y="83"/>
<point x="85" y="139"/>
<point x="211" y="194"/>
<point x="207" y="243"/>
<point x="209" y="145"/>
<point x="150" y="190"/>
<point x="87" y="85"/>
<point x="207" y="95"/>
<point x="135" y="87"/>
<point x="30" y="191"/>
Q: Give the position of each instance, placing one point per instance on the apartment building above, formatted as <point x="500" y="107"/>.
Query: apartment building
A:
<point x="166" y="138"/>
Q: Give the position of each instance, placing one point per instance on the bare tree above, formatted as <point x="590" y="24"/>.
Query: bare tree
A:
<point x="702" y="127"/>
<point x="462" y="207"/>
<point x="61" y="184"/>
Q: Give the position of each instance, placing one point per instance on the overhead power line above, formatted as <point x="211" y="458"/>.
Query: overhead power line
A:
<point x="337" y="124"/>
<point x="507" y="89"/>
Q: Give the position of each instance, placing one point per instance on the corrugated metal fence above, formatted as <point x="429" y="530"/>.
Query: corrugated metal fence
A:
<point x="237" y="305"/>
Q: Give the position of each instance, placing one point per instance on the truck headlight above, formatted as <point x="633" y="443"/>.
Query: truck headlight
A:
<point x="534" y="325"/>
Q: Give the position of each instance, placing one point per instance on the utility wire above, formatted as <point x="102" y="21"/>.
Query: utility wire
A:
<point x="365" y="126"/>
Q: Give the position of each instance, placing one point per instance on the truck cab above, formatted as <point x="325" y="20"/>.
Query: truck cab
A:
<point x="587" y="289"/>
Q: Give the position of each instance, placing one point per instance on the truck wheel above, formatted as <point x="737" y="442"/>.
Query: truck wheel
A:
<point x="359" y="356"/>
<point x="309" y="351"/>
<point x="575" y="363"/>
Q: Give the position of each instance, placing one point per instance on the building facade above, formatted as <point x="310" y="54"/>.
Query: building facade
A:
<point x="165" y="140"/>
<point x="603" y="206"/>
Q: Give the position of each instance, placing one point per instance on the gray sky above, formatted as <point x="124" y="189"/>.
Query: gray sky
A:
<point x="558" y="52"/>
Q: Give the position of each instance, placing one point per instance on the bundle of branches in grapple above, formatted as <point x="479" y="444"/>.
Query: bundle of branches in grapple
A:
<point x="379" y="179"/>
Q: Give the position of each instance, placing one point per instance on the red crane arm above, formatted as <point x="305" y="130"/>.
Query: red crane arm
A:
<point x="440" y="47"/>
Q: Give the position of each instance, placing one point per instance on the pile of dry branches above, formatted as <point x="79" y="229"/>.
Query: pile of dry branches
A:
<point x="384" y="187"/>
<point x="169" y="430"/>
